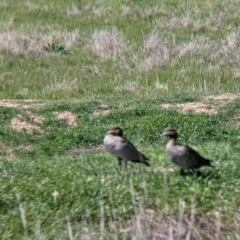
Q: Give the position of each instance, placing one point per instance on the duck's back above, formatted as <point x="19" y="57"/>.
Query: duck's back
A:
<point x="185" y="157"/>
<point x="120" y="147"/>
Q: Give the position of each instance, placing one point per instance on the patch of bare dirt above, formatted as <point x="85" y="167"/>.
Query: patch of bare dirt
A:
<point x="210" y="104"/>
<point x="69" y="117"/>
<point x="20" y="124"/>
<point x="101" y="111"/>
<point x="90" y="149"/>
<point x="26" y="104"/>
<point x="37" y="119"/>
<point x="222" y="97"/>
<point x="197" y="107"/>
<point x="10" y="152"/>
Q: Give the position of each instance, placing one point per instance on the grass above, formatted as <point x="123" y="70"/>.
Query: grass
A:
<point x="52" y="189"/>
<point x="49" y="187"/>
<point x="164" y="44"/>
<point x="70" y="70"/>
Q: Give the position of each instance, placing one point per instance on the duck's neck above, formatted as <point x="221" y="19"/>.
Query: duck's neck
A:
<point x="171" y="142"/>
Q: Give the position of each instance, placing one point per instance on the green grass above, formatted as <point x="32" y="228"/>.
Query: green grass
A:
<point x="145" y="123"/>
<point x="194" y="49"/>
<point x="118" y="63"/>
<point x="85" y="183"/>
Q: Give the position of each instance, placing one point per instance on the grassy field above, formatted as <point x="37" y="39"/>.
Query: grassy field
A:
<point x="69" y="70"/>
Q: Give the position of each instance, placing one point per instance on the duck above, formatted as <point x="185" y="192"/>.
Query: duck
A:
<point x="182" y="155"/>
<point x="121" y="148"/>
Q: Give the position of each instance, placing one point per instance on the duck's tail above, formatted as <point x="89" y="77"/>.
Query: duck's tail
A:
<point x="207" y="162"/>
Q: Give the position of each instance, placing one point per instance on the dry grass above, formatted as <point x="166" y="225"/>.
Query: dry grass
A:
<point x="36" y="42"/>
<point x="154" y="61"/>
<point x="145" y="13"/>
<point x="37" y="119"/>
<point x="205" y="39"/>
<point x="196" y="107"/>
<point x="90" y="149"/>
<point x="20" y="124"/>
<point x="160" y="86"/>
<point x="73" y="11"/>
<point x="35" y="7"/>
<point x="236" y="73"/>
<point x="99" y="112"/>
<point x="225" y="51"/>
<point x="155" y="51"/>
<point x="222" y="98"/>
<point x="102" y="110"/>
<point x="60" y="85"/>
<point x="107" y="43"/>
<point x="24" y="104"/>
<point x="210" y="104"/>
<point x="132" y="87"/>
<point x="11" y="152"/>
<point x="151" y="42"/>
<point x="69" y="117"/>
<point x="149" y="224"/>
<point x="212" y="22"/>
<point x="98" y="9"/>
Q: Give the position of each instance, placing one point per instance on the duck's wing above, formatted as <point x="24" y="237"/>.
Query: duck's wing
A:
<point x="131" y="145"/>
<point x="198" y="158"/>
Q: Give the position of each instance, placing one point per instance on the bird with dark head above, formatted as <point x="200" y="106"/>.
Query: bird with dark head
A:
<point x="116" y="131"/>
<point x="121" y="148"/>
<point x="182" y="155"/>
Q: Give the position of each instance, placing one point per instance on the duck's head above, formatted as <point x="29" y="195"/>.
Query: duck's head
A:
<point x="117" y="131"/>
<point x="170" y="132"/>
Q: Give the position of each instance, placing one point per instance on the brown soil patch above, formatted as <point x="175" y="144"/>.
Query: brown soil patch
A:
<point x="37" y="119"/>
<point x="69" y="117"/>
<point x="222" y="97"/>
<point x="210" y="104"/>
<point x="19" y="124"/>
<point x="90" y="149"/>
<point x="167" y="105"/>
<point x="196" y="107"/>
<point x="103" y="106"/>
<point x="10" y="152"/>
<point x="101" y="111"/>
<point x="26" y="104"/>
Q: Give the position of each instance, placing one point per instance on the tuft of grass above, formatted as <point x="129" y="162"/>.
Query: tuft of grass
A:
<point x="20" y="43"/>
<point x="56" y="48"/>
<point x="107" y="44"/>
